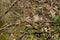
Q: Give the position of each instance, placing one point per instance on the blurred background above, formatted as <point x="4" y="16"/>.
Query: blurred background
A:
<point x="29" y="19"/>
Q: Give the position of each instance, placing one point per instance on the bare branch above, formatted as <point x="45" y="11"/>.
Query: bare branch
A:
<point x="8" y="25"/>
<point x="9" y="8"/>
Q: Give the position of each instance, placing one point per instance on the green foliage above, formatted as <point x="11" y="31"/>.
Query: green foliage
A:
<point x="1" y="23"/>
<point x="2" y="37"/>
<point x="58" y="38"/>
<point x="31" y="37"/>
<point x="43" y="38"/>
<point x="57" y="17"/>
<point x="58" y="7"/>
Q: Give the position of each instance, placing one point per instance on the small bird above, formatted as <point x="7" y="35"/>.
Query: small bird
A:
<point x="20" y="3"/>
<point x="36" y="18"/>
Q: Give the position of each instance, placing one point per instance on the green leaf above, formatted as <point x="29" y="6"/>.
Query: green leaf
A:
<point x="58" y="7"/>
<point x="30" y="37"/>
<point x="58" y="38"/>
<point x="43" y="38"/>
<point x="1" y="23"/>
<point x="2" y="37"/>
<point x="57" y="17"/>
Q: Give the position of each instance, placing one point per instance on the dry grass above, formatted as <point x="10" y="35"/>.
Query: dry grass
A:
<point x="29" y="20"/>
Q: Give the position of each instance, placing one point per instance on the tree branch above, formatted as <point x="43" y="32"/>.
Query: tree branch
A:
<point x="9" y="8"/>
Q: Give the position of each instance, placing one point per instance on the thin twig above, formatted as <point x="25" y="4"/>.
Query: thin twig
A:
<point x="21" y="36"/>
<point x="9" y="8"/>
<point x="8" y="25"/>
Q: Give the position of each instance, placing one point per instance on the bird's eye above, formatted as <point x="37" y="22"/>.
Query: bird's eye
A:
<point x="46" y="1"/>
<point x="39" y="13"/>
